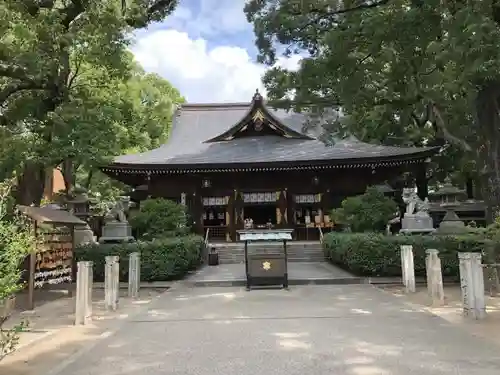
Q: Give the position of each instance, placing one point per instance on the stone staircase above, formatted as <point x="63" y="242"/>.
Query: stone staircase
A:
<point x="298" y="251"/>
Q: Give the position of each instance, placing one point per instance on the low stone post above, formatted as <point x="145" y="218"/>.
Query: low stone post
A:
<point x="472" y="284"/>
<point x="111" y="282"/>
<point x="408" y="268"/>
<point x="84" y="280"/>
<point x="434" y="277"/>
<point x="134" y="275"/>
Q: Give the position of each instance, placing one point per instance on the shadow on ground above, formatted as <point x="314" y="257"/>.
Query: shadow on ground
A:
<point x="352" y="330"/>
<point x="52" y="338"/>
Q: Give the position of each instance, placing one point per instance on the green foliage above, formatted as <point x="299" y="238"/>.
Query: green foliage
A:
<point x="161" y="260"/>
<point x="70" y="90"/>
<point x="367" y="212"/>
<point x="16" y="242"/>
<point x="159" y="218"/>
<point x="374" y="254"/>
<point x="9" y="338"/>
<point x="405" y="72"/>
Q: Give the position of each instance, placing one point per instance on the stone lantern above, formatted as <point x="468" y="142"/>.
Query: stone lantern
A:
<point x="449" y="197"/>
<point x="79" y="206"/>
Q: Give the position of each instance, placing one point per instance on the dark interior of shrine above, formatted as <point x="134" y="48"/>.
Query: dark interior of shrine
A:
<point x="261" y="214"/>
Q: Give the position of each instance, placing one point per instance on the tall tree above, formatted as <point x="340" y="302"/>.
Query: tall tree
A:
<point x="43" y="46"/>
<point x="107" y="117"/>
<point x="424" y="72"/>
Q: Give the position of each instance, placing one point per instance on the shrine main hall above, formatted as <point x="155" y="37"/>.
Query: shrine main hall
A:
<point x="233" y="161"/>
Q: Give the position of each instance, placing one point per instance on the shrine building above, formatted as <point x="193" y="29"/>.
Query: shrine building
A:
<point x="230" y="162"/>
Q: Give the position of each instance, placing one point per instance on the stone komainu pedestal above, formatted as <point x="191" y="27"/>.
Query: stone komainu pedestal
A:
<point x="420" y="222"/>
<point x="116" y="231"/>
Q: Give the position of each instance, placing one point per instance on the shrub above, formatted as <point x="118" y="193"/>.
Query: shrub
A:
<point x="161" y="260"/>
<point x="367" y="212"/>
<point x="374" y="254"/>
<point x="16" y="242"/>
<point x="158" y="218"/>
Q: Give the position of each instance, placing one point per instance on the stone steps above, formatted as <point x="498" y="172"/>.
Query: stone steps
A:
<point x="233" y="253"/>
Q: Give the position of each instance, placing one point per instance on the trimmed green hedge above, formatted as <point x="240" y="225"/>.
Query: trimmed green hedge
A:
<point x="374" y="254"/>
<point x="161" y="259"/>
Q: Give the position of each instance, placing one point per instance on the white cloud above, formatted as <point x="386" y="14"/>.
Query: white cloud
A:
<point x="212" y="18"/>
<point x="220" y="74"/>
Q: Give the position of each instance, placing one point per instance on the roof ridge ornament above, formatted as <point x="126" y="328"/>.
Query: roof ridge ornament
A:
<point x="257" y="97"/>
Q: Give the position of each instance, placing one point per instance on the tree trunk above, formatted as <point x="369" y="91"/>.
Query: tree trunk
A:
<point x="422" y="181"/>
<point x="31" y="184"/>
<point x="68" y="175"/>
<point x="469" y="184"/>
<point x="88" y="180"/>
<point x="488" y="115"/>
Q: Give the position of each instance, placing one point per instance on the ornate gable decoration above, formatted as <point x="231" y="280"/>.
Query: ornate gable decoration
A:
<point x="258" y="121"/>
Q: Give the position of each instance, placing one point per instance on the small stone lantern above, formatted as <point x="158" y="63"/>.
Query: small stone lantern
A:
<point x="79" y="204"/>
<point x="449" y="197"/>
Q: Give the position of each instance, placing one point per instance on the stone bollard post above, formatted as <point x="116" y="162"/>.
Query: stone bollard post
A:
<point x="134" y="275"/>
<point x="434" y="276"/>
<point x="472" y="284"/>
<point x="111" y="282"/>
<point x="408" y="268"/>
<point x="84" y="280"/>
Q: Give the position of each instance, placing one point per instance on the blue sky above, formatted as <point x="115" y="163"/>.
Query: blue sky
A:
<point x="206" y="49"/>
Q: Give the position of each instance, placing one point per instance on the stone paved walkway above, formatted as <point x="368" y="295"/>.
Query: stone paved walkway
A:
<point x="316" y="330"/>
<point x="298" y="273"/>
<point x="52" y="337"/>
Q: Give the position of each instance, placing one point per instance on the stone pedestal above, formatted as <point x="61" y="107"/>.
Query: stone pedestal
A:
<point x="420" y="222"/>
<point x="116" y="231"/>
<point x="111" y="282"/>
<point x="472" y="284"/>
<point x="408" y="268"/>
<point x="434" y="277"/>
<point x="84" y="280"/>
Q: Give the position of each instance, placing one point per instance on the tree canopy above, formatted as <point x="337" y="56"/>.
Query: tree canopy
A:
<point x="70" y="93"/>
<point x="421" y="72"/>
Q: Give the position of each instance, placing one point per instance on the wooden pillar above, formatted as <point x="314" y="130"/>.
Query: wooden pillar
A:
<point x="281" y="209"/>
<point x="238" y="212"/>
<point x="420" y="173"/>
<point x="290" y="209"/>
<point x="230" y="225"/>
<point x="326" y="202"/>
<point x="196" y="212"/>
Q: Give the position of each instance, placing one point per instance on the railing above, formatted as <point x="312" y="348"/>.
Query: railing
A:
<point x="206" y="237"/>
<point x="217" y="233"/>
<point x="320" y="235"/>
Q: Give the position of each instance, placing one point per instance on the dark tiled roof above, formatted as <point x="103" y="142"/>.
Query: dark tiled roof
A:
<point x="196" y="123"/>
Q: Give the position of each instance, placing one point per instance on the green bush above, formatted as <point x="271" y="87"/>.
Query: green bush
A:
<point x="375" y="254"/>
<point x="158" y="218"/>
<point x="367" y="212"/>
<point x="161" y="260"/>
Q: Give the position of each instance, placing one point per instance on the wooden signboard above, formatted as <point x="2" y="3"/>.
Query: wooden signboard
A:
<point x="54" y="259"/>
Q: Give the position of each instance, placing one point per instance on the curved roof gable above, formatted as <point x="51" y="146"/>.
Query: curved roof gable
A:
<point x="256" y="120"/>
<point x="223" y="133"/>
